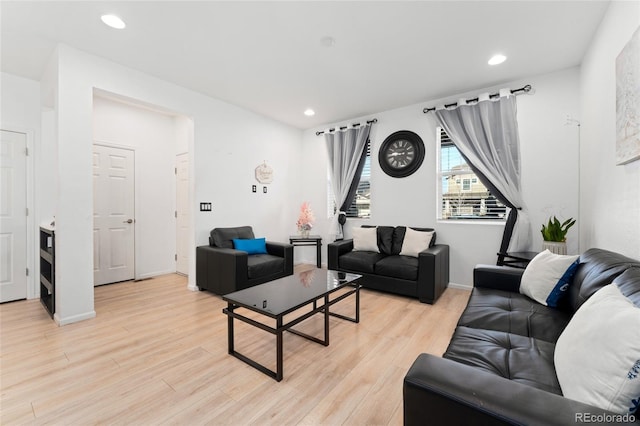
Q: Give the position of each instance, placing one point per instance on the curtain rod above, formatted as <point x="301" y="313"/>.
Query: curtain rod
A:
<point x="375" y="120"/>
<point x="525" y="89"/>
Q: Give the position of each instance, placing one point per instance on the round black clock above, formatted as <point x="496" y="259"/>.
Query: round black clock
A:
<point x="401" y="154"/>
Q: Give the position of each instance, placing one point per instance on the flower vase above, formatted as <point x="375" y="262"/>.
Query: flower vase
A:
<point x="304" y="233"/>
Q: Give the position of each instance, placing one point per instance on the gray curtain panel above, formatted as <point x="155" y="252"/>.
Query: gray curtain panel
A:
<point x="344" y="151"/>
<point x="486" y="134"/>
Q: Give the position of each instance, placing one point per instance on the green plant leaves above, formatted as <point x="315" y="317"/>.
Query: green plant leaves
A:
<point x="556" y="231"/>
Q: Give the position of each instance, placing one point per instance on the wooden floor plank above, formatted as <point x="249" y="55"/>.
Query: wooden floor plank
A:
<point x="156" y="353"/>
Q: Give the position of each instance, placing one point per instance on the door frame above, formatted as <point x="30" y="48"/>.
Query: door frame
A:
<point x="136" y="236"/>
<point x="33" y="290"/>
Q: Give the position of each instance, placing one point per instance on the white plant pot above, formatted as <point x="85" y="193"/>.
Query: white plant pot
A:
<point x="555" y="247"/>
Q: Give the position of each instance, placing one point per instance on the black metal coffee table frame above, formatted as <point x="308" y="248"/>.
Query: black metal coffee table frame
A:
<point x="280" y="328"/>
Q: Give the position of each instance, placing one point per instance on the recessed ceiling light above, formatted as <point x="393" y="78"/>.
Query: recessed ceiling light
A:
<point x="497" y="59"/>
<point x="113" y="21"/>
<point x="328" y="41"/>
<point x="309" y="112"/>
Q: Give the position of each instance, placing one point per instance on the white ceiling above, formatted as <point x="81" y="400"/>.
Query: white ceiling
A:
<point x="268" y="56"/>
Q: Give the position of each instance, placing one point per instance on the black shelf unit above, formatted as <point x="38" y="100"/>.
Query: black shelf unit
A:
<point x="48" y="270"/>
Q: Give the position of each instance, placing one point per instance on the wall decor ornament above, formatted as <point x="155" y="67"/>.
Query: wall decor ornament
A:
<point x="264" y="173"/>
<point x="628" y="101"/>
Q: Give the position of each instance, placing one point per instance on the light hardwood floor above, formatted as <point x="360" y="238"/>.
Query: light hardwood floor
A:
<point x="157" y="354"/>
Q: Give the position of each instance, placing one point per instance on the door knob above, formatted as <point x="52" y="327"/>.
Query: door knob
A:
<point x="128" y="221"/>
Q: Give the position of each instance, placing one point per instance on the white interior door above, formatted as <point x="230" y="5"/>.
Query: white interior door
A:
<point x="113" y="215"/>
<point x="13" y="216"/>
<point x="182" y="214"/>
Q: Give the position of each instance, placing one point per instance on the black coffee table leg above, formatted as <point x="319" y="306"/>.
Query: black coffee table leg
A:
<point x="230" y="328"/>
<point x="279" y="355"/>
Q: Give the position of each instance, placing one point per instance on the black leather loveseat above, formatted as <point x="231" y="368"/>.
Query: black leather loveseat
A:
<point x="425" y="276"/>
<point x="222" y="269"/>
<point x="499" y="366"/>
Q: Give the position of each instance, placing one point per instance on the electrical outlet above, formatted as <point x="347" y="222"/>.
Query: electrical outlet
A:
<point x="205" y="207"/>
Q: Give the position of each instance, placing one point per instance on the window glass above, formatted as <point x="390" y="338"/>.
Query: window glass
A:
<point x="461" y="195"/>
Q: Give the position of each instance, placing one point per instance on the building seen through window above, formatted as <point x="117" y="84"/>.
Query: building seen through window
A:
<point x="461" y="194"/>
<point x="361" y="205"/>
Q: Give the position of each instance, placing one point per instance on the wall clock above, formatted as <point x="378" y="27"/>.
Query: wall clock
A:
<point x="401" y="154"/>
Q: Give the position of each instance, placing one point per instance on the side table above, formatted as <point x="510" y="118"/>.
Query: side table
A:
<point x="311" y="240"/>
<point x="516" y="259"/>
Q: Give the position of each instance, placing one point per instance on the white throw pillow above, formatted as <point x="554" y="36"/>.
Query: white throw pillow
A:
<point x="548" y="276"/>
<point x="415" y="241"/>
<point x="597" y="356"/>
<point x="365" y="239"/>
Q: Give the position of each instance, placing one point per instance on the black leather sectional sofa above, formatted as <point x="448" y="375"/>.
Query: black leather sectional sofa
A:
<point x="424" y="277"/>
<point x="499" y="366"/>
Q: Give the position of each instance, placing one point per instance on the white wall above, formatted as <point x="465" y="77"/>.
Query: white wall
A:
<point x="153" y="137"/>
<point x="20" y="111"/>
<point x="610" y="205"/>
<point x="228" y="143"/>
<point x="549" y="172"/>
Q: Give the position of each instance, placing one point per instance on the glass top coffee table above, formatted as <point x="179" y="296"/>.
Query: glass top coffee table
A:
<point x="284" y="296"/>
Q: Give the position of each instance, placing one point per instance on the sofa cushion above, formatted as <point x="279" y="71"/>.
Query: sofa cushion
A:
<point x="360" y="261"/>
<point x="365" y="239"/>
<point x="398" y="237"/>
<point x="548" y="276"/>
<point x="629" y="284"/>
<point x="223" y="237"/>
<point x="403" y="267"/>
<point x="513" y="313"/>
<point x="608" y="324"/>
<point x="385" y="239"/>
<point x="260" y="265"/>
<point x="521" y="359"/>
<point x="415" y="241"/>
<point x="597" y="268"/>
<point x="254" y="246"/>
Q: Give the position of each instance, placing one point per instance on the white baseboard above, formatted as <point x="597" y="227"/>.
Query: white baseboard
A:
<point x="153" y="274"/>
<point x="460" y="286"/>
<point x="304" y="262"/>
<point x="75" y="318"/>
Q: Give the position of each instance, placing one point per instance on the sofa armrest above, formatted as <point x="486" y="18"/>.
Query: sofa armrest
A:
<point x="433" y="272"/>
<point x="502" y="278"/>
<point x="335" y="250"/>
<point x="220" y="270"/>
<point x="282" y="250"/>
<point x="442" y="391"/>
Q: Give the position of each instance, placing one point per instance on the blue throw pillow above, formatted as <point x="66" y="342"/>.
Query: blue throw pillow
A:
<point x="253" y="246"/>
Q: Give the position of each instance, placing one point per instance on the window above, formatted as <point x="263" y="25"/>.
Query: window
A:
<point x="361" y="205"/>
<point x="461" y="195"/>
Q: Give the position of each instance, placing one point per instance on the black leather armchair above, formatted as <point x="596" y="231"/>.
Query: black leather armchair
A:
<point x="221" y="269"/>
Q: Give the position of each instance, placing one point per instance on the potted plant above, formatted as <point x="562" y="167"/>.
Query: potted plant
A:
<point x="554" y="235"/>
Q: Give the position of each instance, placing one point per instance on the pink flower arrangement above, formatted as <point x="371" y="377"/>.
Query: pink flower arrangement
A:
<point x="306" y="218"/>
<point x="306" y="277"/>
